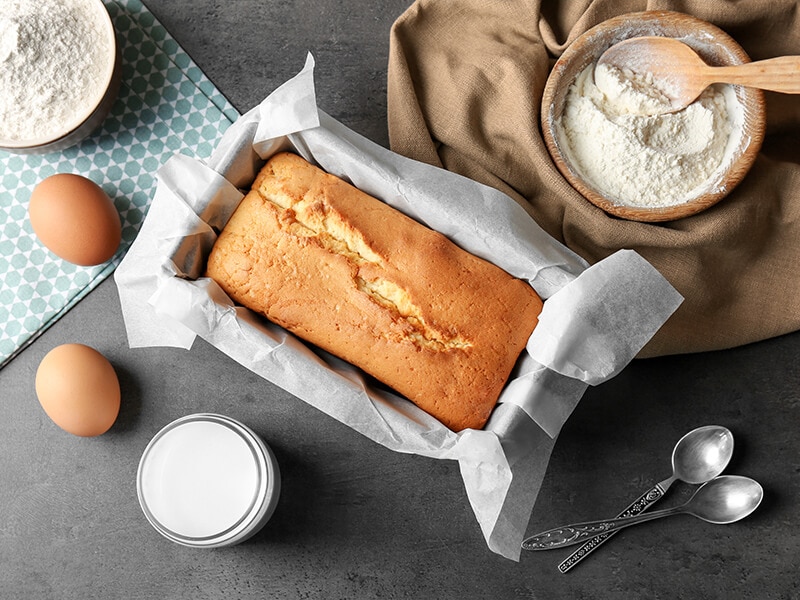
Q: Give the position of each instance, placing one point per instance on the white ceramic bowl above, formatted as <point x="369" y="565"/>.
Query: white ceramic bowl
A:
<point x="713" y="45"/>
<point x="95" y="105"/>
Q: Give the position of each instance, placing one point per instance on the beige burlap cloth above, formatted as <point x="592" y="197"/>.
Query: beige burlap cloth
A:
<point x="464" y="92"/>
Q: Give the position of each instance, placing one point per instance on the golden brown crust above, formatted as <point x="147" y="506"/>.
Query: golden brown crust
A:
<point x="355" y="277"/>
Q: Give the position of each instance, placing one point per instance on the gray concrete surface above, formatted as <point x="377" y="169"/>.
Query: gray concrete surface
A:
<point x="356" y="520"/>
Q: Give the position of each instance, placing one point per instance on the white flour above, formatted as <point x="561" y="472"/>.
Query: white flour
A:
<point x="639" y="160"/>
<point x="53" y="56"/>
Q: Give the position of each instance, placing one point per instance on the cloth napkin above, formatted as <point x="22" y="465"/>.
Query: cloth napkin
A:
<point x="464" y="92"/>
<point x="165" y="105"/>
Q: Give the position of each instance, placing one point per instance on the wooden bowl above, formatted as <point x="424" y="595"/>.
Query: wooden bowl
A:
<point x="713" y="45"/>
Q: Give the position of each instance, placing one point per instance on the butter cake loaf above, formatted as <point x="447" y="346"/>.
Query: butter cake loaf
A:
<point x="357" y="278"/>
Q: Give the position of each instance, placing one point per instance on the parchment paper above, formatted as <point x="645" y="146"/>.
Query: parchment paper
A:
<point x="594" y="322"/>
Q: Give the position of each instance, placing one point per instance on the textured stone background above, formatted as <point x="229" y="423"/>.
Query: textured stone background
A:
<point x="355" y="520"/>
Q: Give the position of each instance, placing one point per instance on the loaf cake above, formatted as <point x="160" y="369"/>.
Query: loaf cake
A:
<point x="357" y="278"/>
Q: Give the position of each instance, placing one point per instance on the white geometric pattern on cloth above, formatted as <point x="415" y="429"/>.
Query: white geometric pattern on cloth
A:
<point x="166" y="105"/>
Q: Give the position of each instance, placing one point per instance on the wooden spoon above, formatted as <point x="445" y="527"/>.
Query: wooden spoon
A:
<point x="682" y="75"/>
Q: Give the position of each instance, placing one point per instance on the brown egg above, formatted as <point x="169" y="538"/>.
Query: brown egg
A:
<point x="75" y="219"/>
<point x="78" y="389"/>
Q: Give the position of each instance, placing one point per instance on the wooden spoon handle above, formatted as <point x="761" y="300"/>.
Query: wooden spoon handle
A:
<point x="780" y="74"/>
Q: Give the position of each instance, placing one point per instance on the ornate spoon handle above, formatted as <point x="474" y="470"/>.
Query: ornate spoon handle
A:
<point x="639" y="505"/>
<point x="575" y="534"/>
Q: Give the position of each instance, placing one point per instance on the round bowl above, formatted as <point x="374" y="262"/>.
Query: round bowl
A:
<point x="93" y="106"/>
<point x="208" y="481"/>
<point x="715" y="47"/>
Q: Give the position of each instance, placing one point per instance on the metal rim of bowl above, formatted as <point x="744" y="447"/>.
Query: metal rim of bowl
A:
<point x="752" y="101"/>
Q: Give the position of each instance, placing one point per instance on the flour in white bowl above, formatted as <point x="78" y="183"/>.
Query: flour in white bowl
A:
<point x="639" y="160"/>
<point x="55" y="58"/>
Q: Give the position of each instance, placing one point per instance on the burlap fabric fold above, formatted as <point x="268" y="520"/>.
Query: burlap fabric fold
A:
<point x="464" y="92"/>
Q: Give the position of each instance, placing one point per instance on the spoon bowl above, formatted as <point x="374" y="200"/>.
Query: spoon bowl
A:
<point x="681" y="75"/>
<point x="721" y="501"/>
<point x="725" y="500"/>
<point x="702" y="454"/>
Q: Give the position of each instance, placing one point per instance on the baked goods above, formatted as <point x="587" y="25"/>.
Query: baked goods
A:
<point x="353" y="276"/>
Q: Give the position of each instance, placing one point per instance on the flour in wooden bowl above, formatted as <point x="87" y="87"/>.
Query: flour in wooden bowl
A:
<point x="640" y="160"/>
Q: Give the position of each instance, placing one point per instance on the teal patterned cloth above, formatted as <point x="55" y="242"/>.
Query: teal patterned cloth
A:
<point x="166" y="105"/>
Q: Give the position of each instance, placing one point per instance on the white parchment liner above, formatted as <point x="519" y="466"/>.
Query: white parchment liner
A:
<point x="594" y="322"/>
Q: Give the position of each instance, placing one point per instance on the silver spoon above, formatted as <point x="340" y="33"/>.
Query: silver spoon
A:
<point x="723" y="500"/>
<point x="699" y="456"/>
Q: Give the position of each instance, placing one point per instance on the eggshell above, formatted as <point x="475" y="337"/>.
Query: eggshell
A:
<point x="78" y="389"/>
<point x="75" y="219"/>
